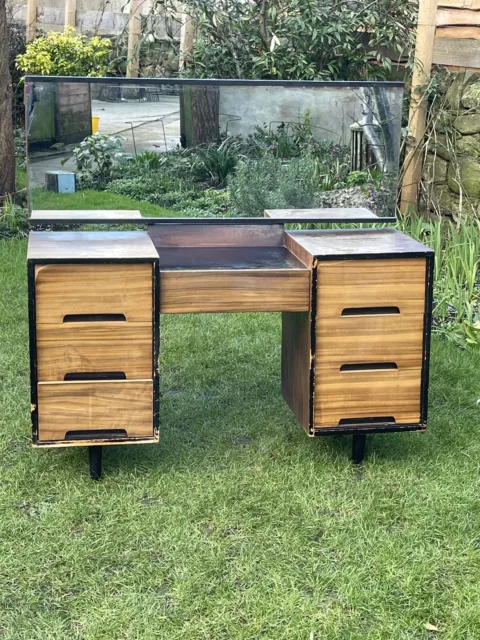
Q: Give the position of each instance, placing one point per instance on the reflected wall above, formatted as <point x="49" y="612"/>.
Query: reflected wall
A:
<point x="301" y="144"/>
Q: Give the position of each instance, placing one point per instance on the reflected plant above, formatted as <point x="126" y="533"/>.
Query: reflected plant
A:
<point x="99" y="158"/>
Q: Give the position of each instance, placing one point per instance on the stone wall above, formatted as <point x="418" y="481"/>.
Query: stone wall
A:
<point x="451" y="173"/>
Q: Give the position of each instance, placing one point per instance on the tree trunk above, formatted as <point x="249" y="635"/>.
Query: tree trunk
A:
<point x="205" y="114"/>
<point x="7" y="152"/>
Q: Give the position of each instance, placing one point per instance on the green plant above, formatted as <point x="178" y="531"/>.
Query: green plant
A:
<point x="13" y="219"/>
<point x="150" y="188"/>
<point x="456" y="275"/>
<point x="16" y="46"/>
<point x="66" y="54"/>
<point x="295" y="39"/>
<point x="355" y="178"/>
<point x="20" y="143"/>
<point x="147" y="161"/>
<point x="267" y="183"/>
<point x="215" y="163"/>
<point x="98" y="159"/>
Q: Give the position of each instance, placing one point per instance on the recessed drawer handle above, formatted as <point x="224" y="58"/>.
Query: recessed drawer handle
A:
<point x="92" y="434"/>
<point x="347" y="422"/>
<point x="370" y="311"/>
<point x="94" y="317"/>
<point x="95" y="375"/>
<point x="369" y="366"/>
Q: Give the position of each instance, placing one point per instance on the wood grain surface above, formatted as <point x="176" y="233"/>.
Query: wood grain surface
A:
<point x="83" y="214"/>
<point x="458" y="52"/>
<point x="296" y="364"/>
<point x="51" y="246"/>
<point x="235" y="290"/>
<point x="71" y="406"/>
<point x="345" y="284"/>
<point x="93" y="347"/>
<point x="211" y="235"/>
<point x="331" y="243"/>
<point x="63" y="289"/>
<point x="321" y="214"/>
<point x="369" y="339"/>
<point x="366" y="394"/>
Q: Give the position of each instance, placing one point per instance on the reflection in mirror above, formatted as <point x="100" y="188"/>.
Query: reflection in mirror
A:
<point x="185" y="148"/>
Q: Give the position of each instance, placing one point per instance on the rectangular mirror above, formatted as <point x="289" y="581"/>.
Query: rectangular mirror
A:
<point x="198" y="148"/>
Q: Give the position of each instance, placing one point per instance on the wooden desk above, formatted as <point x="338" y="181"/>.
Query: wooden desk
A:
<point x="356" y="307"/>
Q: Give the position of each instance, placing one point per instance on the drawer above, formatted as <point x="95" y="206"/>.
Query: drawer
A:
<point x="369" y="339"/>
<point x="108" y="290"/>
<point x="359" y="395"/>
<point x="122" y="407"/>
<point x="366" y="287"/>
<point x="94" y="347"/>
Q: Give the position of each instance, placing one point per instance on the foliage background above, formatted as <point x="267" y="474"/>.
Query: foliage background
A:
<point x="296" y="39"/>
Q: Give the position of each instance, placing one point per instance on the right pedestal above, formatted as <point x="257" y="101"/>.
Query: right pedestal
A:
<point x="358" y="361"/>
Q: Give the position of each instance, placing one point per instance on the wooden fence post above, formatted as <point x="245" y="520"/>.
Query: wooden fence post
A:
<point x="134" y="30"/>
<point x="71" y="13"/>
<point x="418" y="107"/>
<point x="31" y="20"/>
<point x="186" y="36"/>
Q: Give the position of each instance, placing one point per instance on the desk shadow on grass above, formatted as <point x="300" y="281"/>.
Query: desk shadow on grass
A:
<point x="221" y="403"/>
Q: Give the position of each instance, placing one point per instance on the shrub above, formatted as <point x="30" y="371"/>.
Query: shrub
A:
<point x="151" y="188"/>
<point x="13" y="219"/>
<point x="66" y="54"/>
<point x="99" y="158"/>
<point x="16" y="47"/>
<point x="296" y="39"/>
<point x="214" y="164"/>
<point x="268" y="184"/>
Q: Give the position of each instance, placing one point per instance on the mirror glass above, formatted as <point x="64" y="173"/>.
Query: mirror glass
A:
<point x="212" y="148"/>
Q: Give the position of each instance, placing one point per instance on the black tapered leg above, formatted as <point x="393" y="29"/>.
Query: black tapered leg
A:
<point x="358" y="447"/>
<point x="95" y="462"/>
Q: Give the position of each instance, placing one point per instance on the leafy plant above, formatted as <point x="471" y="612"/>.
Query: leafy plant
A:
<point x="215" y="163"/>
<point x="13" y="219"/>
<point x="150" y="188"/>
<point x="295" y="39"/>
<point x="16" y="46"/>
<point x="148" y="161"/>
<point x="267" y="183"/>
<point x="355" y="178"/>
<point x="456" y="275"/>
<point x="99" y="158"/>
<point x="66" y="54"/>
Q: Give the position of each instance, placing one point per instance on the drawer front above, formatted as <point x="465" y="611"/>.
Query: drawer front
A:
<point x="93" y="289"/>
<point x="369" y="286"/>
<point x="396" y="339"/>
<point x="351" y="395"/>
<point x="66" y="409"/>
<point x="94" y="347"/>
<point x="218" y="291"/>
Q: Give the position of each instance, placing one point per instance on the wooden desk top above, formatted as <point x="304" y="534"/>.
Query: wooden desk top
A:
<point x="76" y="246"/>
<point x="83" y="214"/>
<point x="332" y="243"/>
<point x="321" y="215"/>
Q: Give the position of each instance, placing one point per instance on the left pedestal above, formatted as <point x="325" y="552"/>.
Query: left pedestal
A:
<point x="94" y="337"/>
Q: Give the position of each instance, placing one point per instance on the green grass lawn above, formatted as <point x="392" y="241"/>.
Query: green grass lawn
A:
<point x="90" y="199"/>
<point x="237" y="526"/>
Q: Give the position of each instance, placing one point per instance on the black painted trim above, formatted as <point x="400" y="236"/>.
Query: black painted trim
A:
<point x="68" y="222"/>
<point x="32" y="333"/>
<point x="429" y="269"/>
<point x="215" y="81"/>
<point x="156" y="347"/>
<point x="313" y="345"/>
<point x="339" y="431"/>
